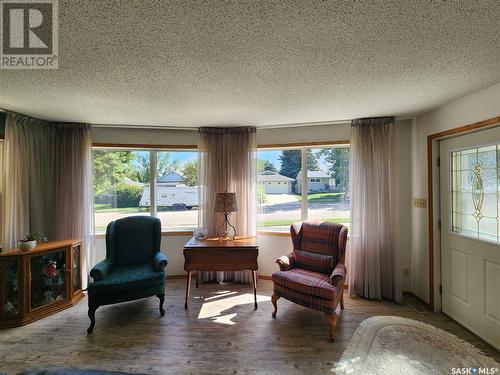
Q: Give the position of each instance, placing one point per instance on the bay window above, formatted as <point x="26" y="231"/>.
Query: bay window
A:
<point x="164" y="184"/>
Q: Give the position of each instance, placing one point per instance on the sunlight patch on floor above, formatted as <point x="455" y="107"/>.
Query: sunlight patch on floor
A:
<point x="225" y="319"/>
<point x="216" y="306"/>
<point x="220" y="295"/>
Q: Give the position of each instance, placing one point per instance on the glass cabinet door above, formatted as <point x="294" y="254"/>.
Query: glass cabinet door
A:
<point x="76" y="269"/>
<point x="48" y="278"/>
<point x="11" y="304"/>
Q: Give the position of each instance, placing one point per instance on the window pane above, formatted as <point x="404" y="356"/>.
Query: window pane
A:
<point x="475" y="201"/>
<point x="278" y="191"/>
<point x="328" y="187"/>
<point x="176" y="189"/>
<point x="119" y="180"/>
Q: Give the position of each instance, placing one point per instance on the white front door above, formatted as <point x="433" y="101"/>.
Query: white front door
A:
<point x="470" y="231"/>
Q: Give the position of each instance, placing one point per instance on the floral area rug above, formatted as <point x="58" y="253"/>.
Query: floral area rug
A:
<point x="394" y="345"/>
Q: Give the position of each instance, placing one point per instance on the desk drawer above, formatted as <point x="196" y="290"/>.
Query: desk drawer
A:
<point x="220" y="259"/>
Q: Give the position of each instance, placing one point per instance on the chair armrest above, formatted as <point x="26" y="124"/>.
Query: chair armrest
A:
<point x="286" y="262"/>
<point x="160" y="261"/>
<point x="338" y="274"/>
<point x="101" y="270"/>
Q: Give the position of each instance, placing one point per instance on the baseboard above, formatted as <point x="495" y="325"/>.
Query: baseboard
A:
<point x="173" y="277"/>
<point x="262" y="277"/>
<point x="410" y="294"/>
<point x="193" y="275"/>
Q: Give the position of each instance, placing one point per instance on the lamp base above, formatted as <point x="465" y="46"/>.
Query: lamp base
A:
<point x="226" y="231"/>
<point x="226" y="236"/>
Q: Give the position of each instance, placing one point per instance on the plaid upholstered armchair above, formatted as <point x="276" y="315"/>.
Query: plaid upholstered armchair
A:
<point x="313" y="274"/>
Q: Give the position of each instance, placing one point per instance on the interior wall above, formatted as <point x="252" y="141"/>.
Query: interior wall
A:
<point x="117" y="135"/>
<point x="270" y="248"/>
<point x="301" y="134"/>
<point x="476" y="107"/>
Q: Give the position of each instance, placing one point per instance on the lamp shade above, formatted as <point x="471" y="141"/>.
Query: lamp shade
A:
<point x="225" y="202"/>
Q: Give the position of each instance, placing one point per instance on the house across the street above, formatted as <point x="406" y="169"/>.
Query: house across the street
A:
<point x="316" y="181"/>
<point x="171" y="178"/>
<point x="275" y="183"/>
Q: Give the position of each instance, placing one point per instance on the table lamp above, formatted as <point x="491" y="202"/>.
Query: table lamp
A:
<point x="226" y="202"/>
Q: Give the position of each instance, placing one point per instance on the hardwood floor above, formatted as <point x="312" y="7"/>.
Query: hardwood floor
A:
<point x="220" y="333"/>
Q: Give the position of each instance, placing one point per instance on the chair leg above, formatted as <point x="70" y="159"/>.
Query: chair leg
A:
<point x="91" y="313"/>
<point x="274" y="299"/>
<point x="162" y="300"/>
<point x="342" y="301"/>
<point x="332" y="318"/>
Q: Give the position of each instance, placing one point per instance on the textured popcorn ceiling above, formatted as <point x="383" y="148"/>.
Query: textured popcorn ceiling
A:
<point x="192" y="63"/>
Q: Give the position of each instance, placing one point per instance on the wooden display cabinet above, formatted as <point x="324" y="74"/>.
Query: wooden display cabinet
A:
<point x="39" y="282"/>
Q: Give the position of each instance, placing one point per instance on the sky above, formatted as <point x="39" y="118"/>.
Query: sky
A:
<point x="183" y="156"/>
<point x="270" y="155"/>
<point x="273" y="156"/>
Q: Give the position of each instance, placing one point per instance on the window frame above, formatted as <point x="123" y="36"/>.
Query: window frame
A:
<point x="153" y="150"/>
<point x="304" y="147"/>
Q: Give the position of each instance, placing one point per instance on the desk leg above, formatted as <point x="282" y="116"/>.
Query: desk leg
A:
<point x="197" y="277"/>
<point x="254" y="282"/>
<point x="188" y="286"/>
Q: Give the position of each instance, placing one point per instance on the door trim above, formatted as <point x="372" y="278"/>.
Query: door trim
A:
<point x="431" y="140"/>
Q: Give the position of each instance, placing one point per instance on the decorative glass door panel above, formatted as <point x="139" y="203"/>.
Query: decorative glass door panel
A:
<point x="48" y="278"/>
<point x="76" y="268"/>
<point x="475" y="192"/>
<point x="470" y="238"/>
<point x="11" y="288"/>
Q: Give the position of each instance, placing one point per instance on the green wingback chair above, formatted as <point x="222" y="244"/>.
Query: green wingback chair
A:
<point x="134" y="265"/>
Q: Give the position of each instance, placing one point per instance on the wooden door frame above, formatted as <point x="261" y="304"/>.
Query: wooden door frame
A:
<point x="431" y="139"/>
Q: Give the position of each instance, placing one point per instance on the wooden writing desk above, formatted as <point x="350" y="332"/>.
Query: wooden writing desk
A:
<point x="212" y="254"/>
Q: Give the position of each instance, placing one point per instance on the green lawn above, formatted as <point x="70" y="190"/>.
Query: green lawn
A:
<point x="271" y="223"/>
<point x="322" y="197"/>
<point x="99" y="207"/>
<point x="276" y="223"/>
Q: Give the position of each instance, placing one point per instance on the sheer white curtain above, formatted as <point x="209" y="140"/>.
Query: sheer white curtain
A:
<point x="47" y="181"/>
<point x="73" y="205"/>
<point x="373" y="251"/>
<point x="16" y="176"/>
<point x="228" y="163"/>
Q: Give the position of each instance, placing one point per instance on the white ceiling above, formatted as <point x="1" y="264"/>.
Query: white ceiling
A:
<point x="192" y="63"/>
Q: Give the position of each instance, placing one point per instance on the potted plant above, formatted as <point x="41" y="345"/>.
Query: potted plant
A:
<point x="30" y="240"/>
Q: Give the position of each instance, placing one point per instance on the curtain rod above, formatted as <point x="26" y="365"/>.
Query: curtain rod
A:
<point x="261" y="127"/>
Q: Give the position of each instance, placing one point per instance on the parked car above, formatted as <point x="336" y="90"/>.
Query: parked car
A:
<point x="178" y="198"/>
